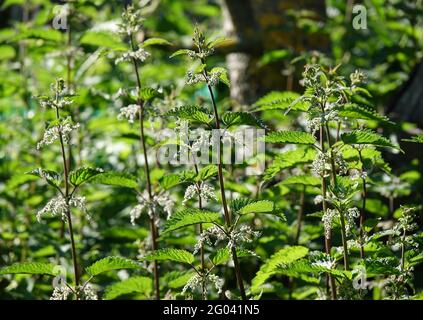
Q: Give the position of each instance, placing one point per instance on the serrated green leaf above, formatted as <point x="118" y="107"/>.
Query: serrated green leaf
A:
<point x="286" y="255"/>
<point x="31" y="268"/>
<point x="368" y="137"/>
<point x="277" y="100"/>
<point x="223" y="75"/>
<point x="155" y="41"/>
<point x="355" y="111"/>
<point x="84" y="174"/>
<point x="147" y="94"/>
<point x="139" y="284"/>
<point x="51" y="177"/>
<point x="181" y="52"/>
<point x="111" y="263"/>
<point x="177" y="255"/>
<point x="289" y="159"/>
<point x="192" y="113"/>
<point x="219" y="41"/>
<point x="207" y="172"/>
<point x="294" y="137"/>
<point x="241" y="118"/>
<point x="258" y="206"/>
<point x="224" y="255"/>
<point x="416" y="139"/>
<point x="190" y="217"/>
<point x="117" y="179"/>
<point x="178" y="279"/>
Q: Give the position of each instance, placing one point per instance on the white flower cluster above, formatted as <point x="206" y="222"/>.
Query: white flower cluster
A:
<point x="356" y="174"/>
<point x="326" y="262"/>
<point x="159" y="202"/>
<point x="194" y="78"/>
<point x="61" y="292"/>
<point x="52" y="134"/>
<point x="211" y="79"/>
<point x="341" y="163"/>
<point x="130" y="113"/>
<point x="202" y="141"/>
<point x="351" y="214"/>
<point x="244" y="234"/>
<point x="140" y="54"/>
<point x="204" y="190"/>
<point x="196" y="281"/>
<point x="131" y="21"/>
<point x="321" y="165"/>
<point x="85" y="292"/>
<point x="58" y="206"/>
<point x="327" y="219"/>
<point x="48" y="102"/>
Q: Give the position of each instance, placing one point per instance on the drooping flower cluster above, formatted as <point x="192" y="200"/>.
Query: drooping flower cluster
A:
<point x="52" y="134"/>
<point x="243" y="234"/>
<point x="327" y="220"/>
<point x="204" y="190"/>
<point x="351" y="214"/>
<point x="131" y="21"/>
<point x="197" y="281"/>
<point x="59" y="206"/>
<point x="85" y="292"/>
<point x="130" y="113"/>
<point x="160" y="202"/>
<point x="139" y="54"/>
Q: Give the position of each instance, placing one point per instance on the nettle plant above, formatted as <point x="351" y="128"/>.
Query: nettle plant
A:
<point x="201" y="131"/>
<point x="67" y="202"/>
<point x="339" y="167"/>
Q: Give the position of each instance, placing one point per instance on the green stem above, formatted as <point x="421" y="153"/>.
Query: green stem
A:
<point x="153" y="229"/>
<point x="330" y="281"/>
<point x="222" y="192"/>
<point x="363" y="207"/>
<point x="67" y="198"/>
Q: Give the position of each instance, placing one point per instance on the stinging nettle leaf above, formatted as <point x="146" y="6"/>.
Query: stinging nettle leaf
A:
<point x="155" y="41"/>
<point x="138" y="284"/>
<point x="190" y="217"/>
<point x="182" y="52"/>
<point x="111" y="263"/>
<point x="368" y="137"/>
<point x="51" y="177"/>
<point x="192" y="113"/>
<point x="177" y="255"/>
<point x="294" y="137"/>
<point x="84" y="174"/>
<point x="31" y="268"/>
<point x="147" y="94"/>
<point x="242" y="118"/>
<point x="118" y="179"/>
<point x="286" y="255"/>
<point x="224" y="255"/>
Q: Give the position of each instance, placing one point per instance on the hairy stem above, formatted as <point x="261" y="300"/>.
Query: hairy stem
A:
<point x="153" y="229"/>
<point x="200" y="206"/>
<point x="222" y="193"/>
<point x="330" y="281"/>
<point x="363" y="207"/>
<point x="67" y="198"/>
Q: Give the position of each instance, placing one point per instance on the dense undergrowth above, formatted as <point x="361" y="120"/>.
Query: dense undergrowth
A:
<point x="106" y="193"/>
